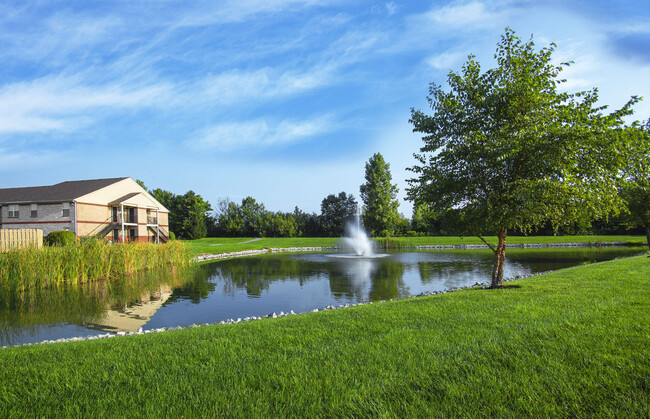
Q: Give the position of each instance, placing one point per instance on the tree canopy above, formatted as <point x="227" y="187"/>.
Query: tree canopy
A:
<point x="379" y="196"/>
<point x="507" y="148"/>
<point x="336" y="211"/>
<point x="635" y="188"/>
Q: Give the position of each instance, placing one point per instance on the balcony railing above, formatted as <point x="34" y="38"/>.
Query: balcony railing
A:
<point x="152" y="219"/>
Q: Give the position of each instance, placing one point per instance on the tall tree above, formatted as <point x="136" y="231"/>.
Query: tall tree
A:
<point x="635" y="188"/>
<point x="254" y="217"/>
<point x="506" y="148"/>
<point x="188" y="215"/>
<point x="379" y="196"/>
<point x="336" y="210"/>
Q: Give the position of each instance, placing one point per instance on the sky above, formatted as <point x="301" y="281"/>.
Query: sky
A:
<point x="281" y="100"/>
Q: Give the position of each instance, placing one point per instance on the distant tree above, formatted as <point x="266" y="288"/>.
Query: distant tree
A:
<point x="141" y="183"/>
<point x="336" y="211"/>
<point x="188" y="215"/>
<point x="253" y="214"/>
<point x="230" y="220"/>
<point x="379" y="196"/>
<point x="308" y="225"/>
<point x="635" y="189"/>
<point x="506" y="149"/>
<point x="166" y="198"/>
<point x="195" y="227"/>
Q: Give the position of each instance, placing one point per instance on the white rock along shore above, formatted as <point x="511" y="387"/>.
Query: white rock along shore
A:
<point x="209" y="257"/>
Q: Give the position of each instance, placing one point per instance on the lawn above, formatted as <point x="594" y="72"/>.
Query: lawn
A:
<point x="236" y="244"/>
<point x="573" y="343"/>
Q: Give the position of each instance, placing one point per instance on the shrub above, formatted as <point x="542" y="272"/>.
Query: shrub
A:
<point x="172" y="236"/>
<point x="60" y="238"/>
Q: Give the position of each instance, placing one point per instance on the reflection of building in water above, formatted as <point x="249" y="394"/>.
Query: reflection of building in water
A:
<point x="130" y="319"/>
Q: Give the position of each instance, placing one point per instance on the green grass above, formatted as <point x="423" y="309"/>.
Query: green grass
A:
<point x="236" y="244"/>
<point x="574" y="343"/>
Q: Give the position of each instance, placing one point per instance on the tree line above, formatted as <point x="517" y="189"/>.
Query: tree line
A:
<point x="192" y="217"/>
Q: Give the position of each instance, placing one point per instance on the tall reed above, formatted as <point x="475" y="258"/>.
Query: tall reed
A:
<point x="86" y="261"/>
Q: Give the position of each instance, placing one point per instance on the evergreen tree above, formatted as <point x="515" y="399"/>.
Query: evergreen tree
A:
<point x="379" y="196"/>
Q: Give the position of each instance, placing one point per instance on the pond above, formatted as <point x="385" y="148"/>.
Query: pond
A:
<point x="261" y="285"/>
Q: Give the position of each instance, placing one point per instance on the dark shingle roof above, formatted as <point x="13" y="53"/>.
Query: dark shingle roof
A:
<point x="64" y="191"/>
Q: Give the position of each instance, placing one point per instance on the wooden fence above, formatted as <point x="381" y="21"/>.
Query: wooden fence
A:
<point x="21" y="238"/>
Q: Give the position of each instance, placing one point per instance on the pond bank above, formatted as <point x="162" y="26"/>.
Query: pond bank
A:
<point x="228" y="255"/>
<point x="570" y="344"/>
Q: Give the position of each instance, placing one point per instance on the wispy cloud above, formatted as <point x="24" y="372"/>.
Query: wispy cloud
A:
<point x="62" y="103"/>
<point x="446" y="60"/>
<point x="463" y="14"/>
<point x="258" y="133"/>
<point x="240" y="10"/>
<point x="11" y="161"/>
<point x="267" y="83"/>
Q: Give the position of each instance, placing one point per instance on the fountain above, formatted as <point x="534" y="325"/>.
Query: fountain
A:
<point x="357" y="243"/>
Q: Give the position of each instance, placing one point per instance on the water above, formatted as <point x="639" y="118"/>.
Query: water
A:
<point x="257" y="286"/>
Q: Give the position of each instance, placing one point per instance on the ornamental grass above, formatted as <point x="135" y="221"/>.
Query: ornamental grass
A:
<point x="86" y="261"/>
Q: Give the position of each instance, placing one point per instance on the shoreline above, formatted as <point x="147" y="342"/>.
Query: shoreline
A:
<point x="228" y="255"/>
<point x="482" y="285"/>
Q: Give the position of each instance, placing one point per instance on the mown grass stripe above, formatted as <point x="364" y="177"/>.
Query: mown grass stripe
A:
<point x="572" y="344"/>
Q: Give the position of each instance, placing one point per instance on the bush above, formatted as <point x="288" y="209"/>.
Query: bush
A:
<point x="172" y="236"/>
<point x="60" y="238"/>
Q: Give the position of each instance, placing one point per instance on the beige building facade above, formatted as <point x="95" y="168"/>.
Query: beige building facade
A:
<point x="116" y="209"/>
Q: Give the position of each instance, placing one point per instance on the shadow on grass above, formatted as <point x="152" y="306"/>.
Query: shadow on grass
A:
<point x="501" y="287"/>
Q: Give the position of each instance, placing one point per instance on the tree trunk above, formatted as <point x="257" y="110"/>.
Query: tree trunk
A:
<point x="500" y="259"/>
<point x="647" y="234"/>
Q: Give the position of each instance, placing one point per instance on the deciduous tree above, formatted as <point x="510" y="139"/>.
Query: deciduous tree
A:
<point x="635" y="188"/>
<point x="336" y="210"/>
<point x="506" y="148"/>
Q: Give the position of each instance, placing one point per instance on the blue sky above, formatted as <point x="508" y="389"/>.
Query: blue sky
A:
<point x="282" y="100"/>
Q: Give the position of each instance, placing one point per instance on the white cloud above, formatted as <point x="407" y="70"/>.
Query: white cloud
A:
<point x="236" y="86"/>
<point x="241" y="10"/>
<point x="60" y="103"/>
<point x="462" y="14"/>
<point x="446" y="60"/>
<point x="10" y="161"/>
<point x="391" y="8"/>
<point x="258" y="133"/>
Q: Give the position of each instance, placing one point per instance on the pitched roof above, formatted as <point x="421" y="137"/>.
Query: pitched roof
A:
<point x="64" y="191"/>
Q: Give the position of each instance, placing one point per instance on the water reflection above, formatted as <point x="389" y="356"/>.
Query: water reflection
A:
<point x="257" y="286"/>
<point x="124" y="304"/>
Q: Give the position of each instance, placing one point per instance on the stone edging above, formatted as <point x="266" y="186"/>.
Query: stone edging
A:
<point x="219" y="256"/>
<point x="273" y="315"/>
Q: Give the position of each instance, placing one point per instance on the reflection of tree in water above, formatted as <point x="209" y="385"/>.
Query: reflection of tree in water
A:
<point x="27" y="311"/>
<point x="388" y="281"/>
<point x="350" y="277"/>
<point x="254" y="275"/>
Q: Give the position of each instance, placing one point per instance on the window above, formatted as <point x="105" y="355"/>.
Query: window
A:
<point x="13" y="211"/>
<point x="66" y="209"/>
<point x="115" y="215"/>
<point x="33" y="211"/>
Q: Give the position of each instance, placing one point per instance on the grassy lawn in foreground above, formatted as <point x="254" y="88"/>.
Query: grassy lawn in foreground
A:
<point x="236" y="244"/>
<point x="573" y="343"/>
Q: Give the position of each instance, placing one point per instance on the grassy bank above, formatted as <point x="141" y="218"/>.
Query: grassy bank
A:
<point x="571" y="343"/>
<point x="83" y="262"/>
<point x="237" y="244"/>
